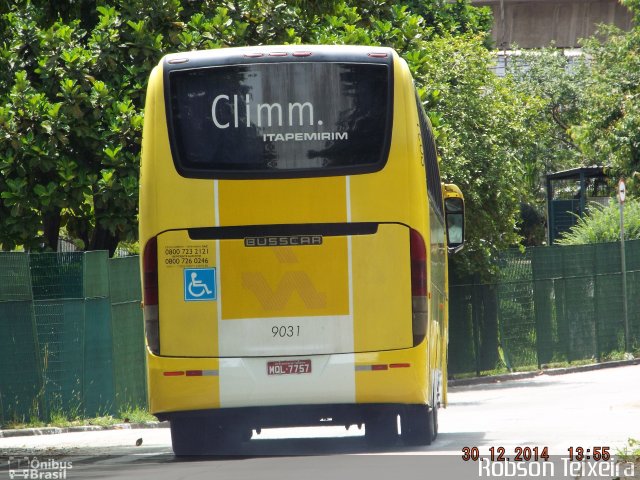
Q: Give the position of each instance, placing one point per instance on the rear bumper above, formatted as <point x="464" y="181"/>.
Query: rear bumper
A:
<point x="203" y="384"/>
<point x="278" y="416"/>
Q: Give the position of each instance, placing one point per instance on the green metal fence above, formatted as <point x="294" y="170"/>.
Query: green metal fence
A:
<point x="71" y="335"/>
<point x="550" y="304"/>
<point x="71" y="329"/>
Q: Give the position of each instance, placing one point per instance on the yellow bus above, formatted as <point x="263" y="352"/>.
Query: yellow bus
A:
<point x="293" y="230"/>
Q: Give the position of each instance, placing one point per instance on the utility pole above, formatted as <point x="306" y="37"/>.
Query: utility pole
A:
<point x="621" y="197"/>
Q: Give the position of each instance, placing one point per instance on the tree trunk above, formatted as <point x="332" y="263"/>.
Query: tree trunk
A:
<point x="51" y="227"/>
<point x="102" y="239"/>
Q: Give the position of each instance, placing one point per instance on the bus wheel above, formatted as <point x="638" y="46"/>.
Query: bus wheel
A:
<point x="381" y="429"/>
<point x="192" y="436"/>
<point x="416" y="422"/>
<point x="204" y="436"/>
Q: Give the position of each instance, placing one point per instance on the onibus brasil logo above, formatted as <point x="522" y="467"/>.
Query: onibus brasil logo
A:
<point x="36" y="469"/>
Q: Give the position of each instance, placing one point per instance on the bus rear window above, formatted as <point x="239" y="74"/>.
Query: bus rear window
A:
<point x="280" y="119"/>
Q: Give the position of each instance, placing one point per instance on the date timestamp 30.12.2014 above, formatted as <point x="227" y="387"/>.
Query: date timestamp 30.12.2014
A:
<point x="525" y="454"/>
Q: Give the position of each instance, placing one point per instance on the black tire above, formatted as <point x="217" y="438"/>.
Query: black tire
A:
<point x="416" y="423"/>
<point x="381" y="429"/>
<point x="191" y="436"/>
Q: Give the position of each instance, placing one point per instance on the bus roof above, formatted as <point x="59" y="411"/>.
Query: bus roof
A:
<point x="279" y="53"/>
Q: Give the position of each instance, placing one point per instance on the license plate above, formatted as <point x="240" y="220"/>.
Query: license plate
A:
<point x="288" y="367"/>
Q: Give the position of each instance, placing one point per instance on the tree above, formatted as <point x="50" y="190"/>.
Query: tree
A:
<point x="453" y="18"/>
<point x="72" y="97"/>
<point x="71" y="118"/>
<point x="558" y="82"/>
<point x="483" y="126"/>
<point x="591" y="107"/>
<point x="609" y="132"/>
<point x="72" y="77"/>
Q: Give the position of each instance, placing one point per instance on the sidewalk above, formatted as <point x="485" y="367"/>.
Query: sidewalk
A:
<point x="536" y="373"/>
<point x="22" y="432"/>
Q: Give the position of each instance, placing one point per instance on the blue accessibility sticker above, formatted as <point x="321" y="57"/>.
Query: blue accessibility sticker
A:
<point x="199" y="284"/>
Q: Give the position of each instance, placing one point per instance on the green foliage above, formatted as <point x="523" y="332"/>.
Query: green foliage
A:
<point x="482" y="127"/>
<point x="602" y="224"/>
<point x="609" y="132"/>
<point x="71" y="117"/>
<point x="72" y="84"/>
<point x="63" y="419"/>
<point x="453" y="17"/>
<point x="591" y="104"/>
<point x="73" y="77"/>
<point x="630" y="452"/>
<point x="136" y="415"/>
<point x="591" y="111"/>
<point x="558" y="83"/>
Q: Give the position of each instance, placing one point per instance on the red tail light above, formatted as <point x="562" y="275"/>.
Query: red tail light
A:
<point x="150" y="294"/>
<point x="418" y="265"/>
<point x="419" y="305"/>
<point x="150" y="266"/>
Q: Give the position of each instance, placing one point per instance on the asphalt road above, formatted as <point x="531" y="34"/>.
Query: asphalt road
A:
<point x="588" y="409"/>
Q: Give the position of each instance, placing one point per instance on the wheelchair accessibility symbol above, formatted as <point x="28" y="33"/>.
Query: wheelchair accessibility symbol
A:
<point x="199" y="284"/>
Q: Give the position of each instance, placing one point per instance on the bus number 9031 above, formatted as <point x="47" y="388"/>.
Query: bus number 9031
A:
<point x="283" y="331"/>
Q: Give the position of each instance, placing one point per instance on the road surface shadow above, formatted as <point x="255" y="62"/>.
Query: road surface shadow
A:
<point x="445" y="444"/>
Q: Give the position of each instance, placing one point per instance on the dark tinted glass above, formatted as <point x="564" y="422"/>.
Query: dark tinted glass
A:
<point x="434" y="185"/>
<point x="302" y="118"/>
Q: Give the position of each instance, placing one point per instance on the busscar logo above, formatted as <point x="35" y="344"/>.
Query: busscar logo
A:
<point x="284" y="241"/>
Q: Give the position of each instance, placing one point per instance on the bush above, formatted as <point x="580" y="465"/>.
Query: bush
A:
<point x="602" y="224"/>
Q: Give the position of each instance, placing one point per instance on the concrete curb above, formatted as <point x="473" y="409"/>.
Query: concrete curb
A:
<point x="551" y="371"/>
<point x="25" y="432"/>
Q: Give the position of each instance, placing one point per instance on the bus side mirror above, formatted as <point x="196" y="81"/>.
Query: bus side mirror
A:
<point x="454" y="212"/>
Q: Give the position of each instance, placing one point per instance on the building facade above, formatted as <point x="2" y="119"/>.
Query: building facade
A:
<point x="538" y="23"/>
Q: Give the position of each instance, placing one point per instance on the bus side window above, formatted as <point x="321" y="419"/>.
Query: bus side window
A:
<point x="434" y="187"/>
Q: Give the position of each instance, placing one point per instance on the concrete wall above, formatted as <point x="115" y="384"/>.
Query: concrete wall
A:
<point x="536" y="23"/>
